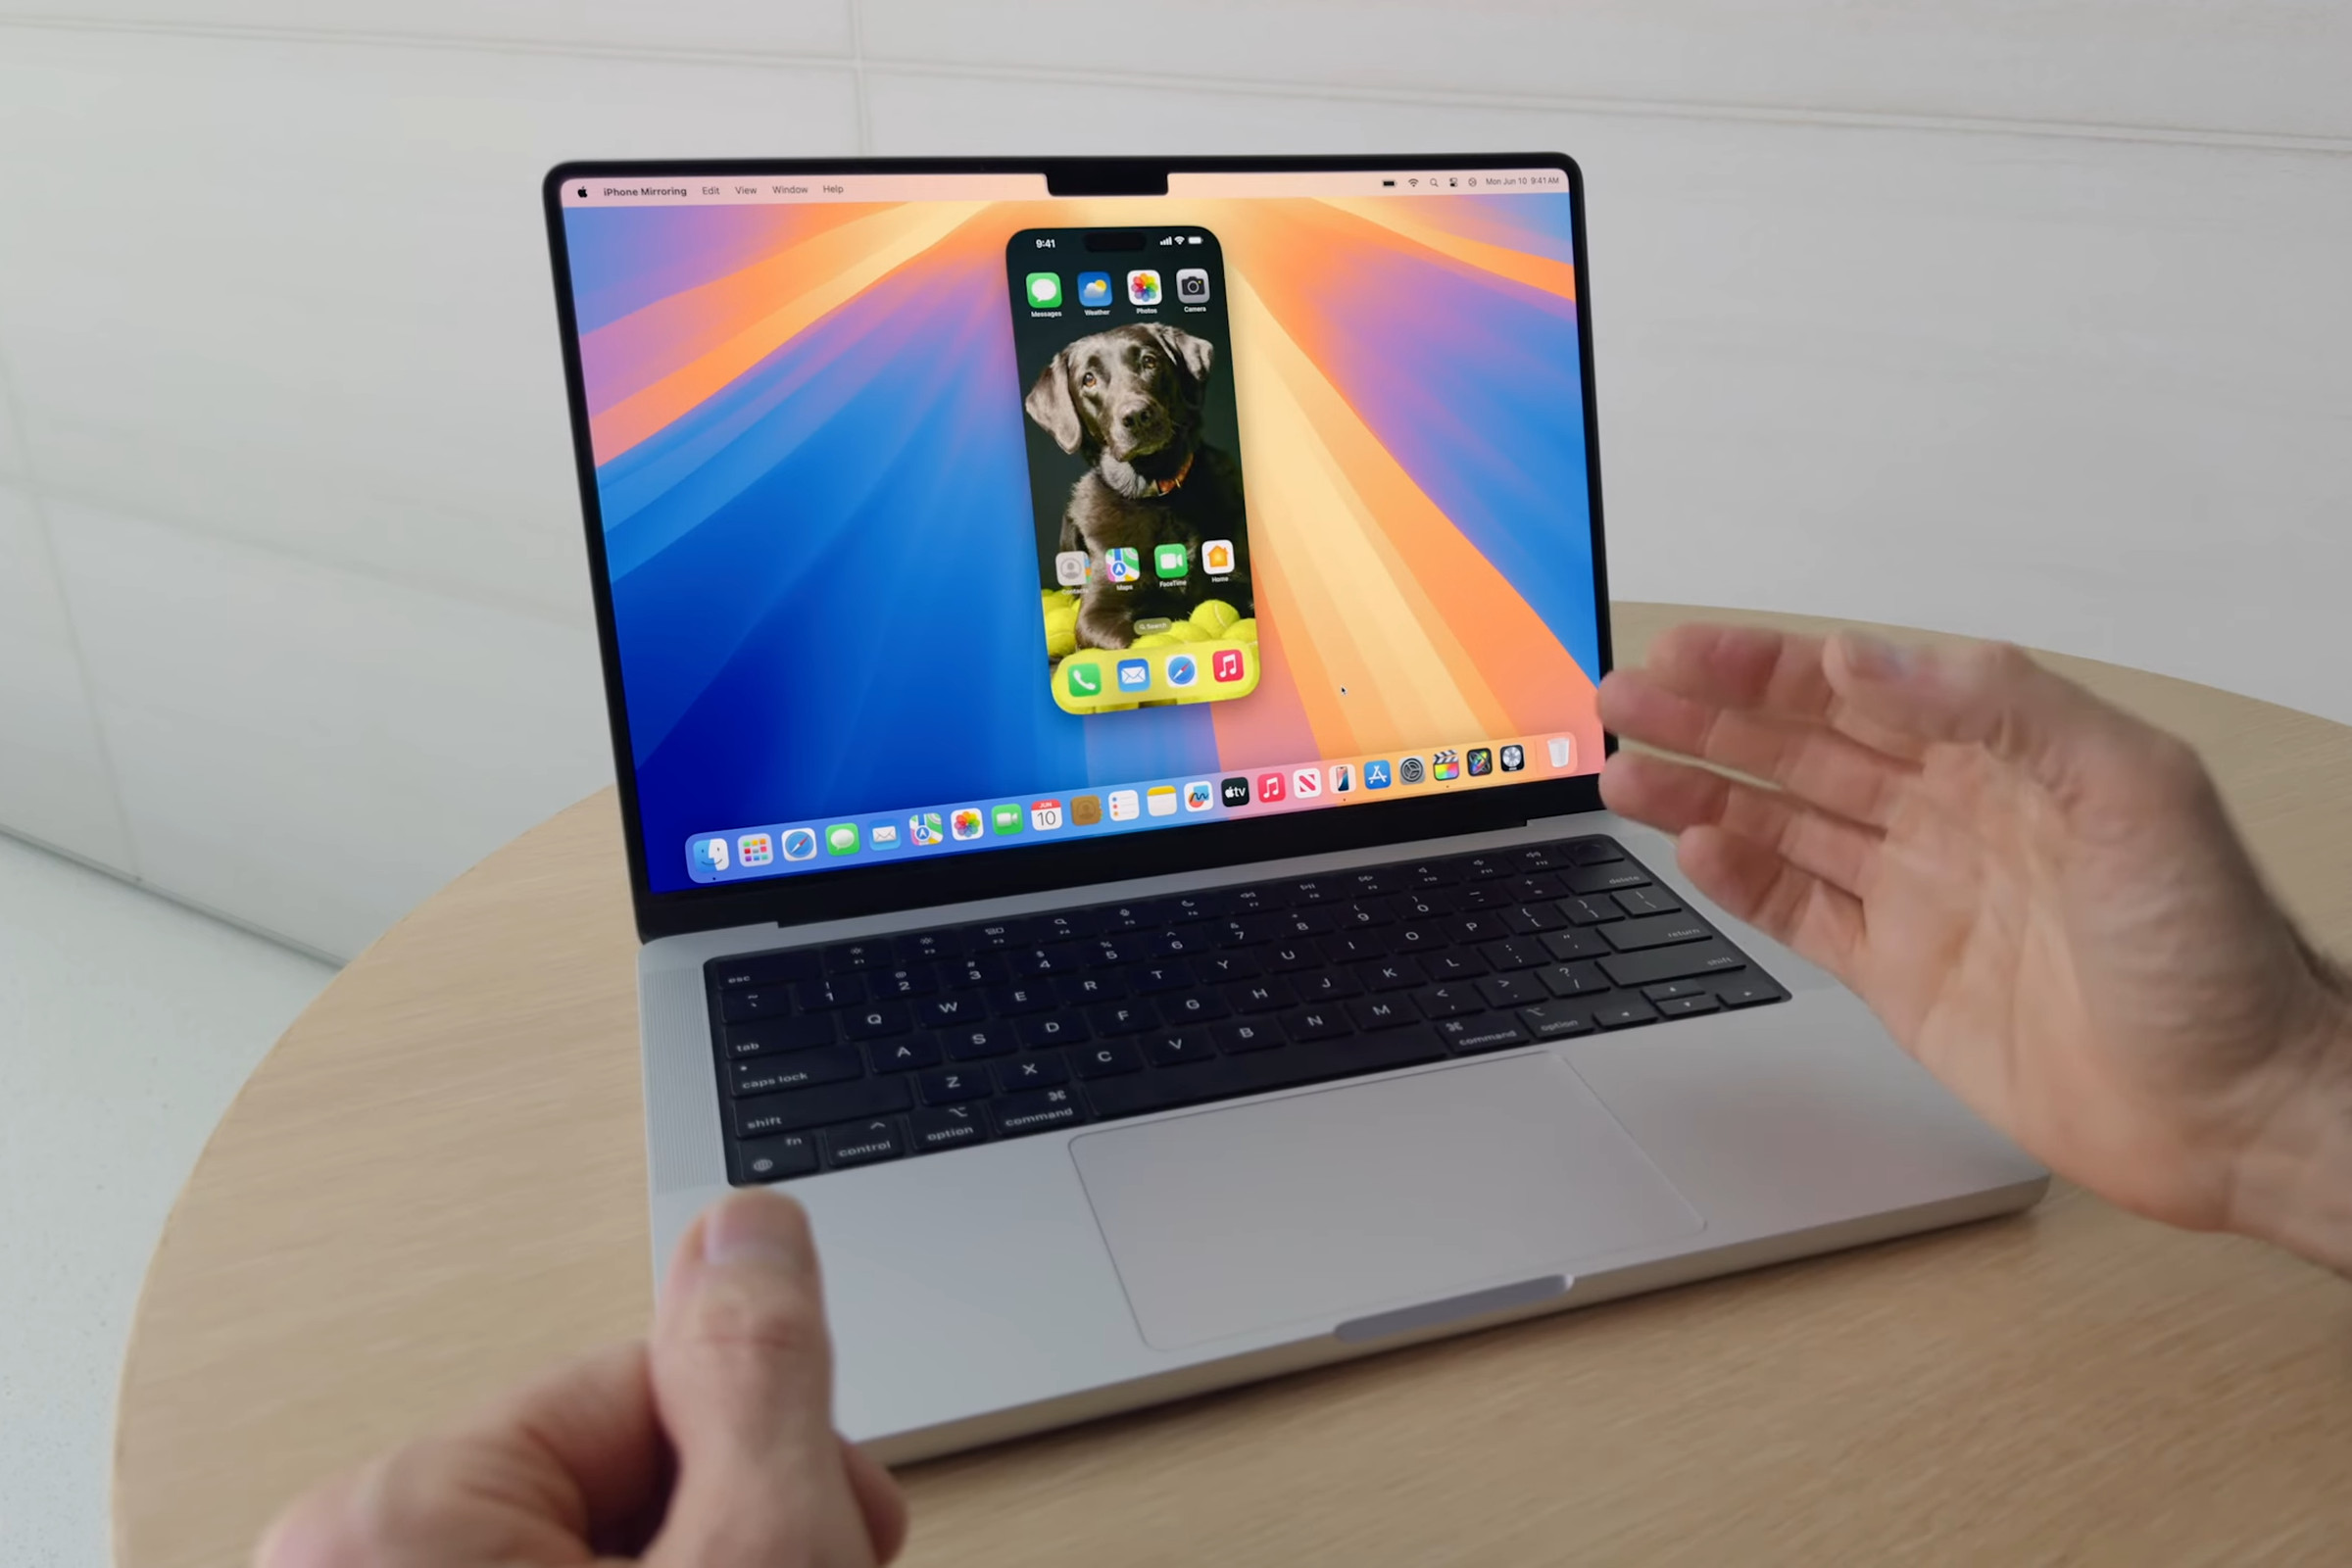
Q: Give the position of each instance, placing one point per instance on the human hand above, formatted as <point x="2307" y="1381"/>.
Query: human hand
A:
<point x="2040" y="895"/>
<point x="712" y="1445"/>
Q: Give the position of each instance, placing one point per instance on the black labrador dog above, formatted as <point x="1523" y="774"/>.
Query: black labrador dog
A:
<point x="1129" y="402"/>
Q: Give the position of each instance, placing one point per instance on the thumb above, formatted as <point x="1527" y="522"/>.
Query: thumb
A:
<point x="1994" y="695"/>
<point x="743" y="1378"/>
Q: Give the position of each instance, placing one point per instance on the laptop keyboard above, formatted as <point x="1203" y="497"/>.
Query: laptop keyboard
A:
<point x="853" y="1052"/>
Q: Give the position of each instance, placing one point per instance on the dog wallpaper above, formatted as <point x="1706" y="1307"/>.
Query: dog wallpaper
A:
<point x="809" y="455"/>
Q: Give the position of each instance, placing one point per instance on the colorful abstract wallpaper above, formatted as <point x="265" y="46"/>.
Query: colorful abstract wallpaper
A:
<point x="809" y="457"/>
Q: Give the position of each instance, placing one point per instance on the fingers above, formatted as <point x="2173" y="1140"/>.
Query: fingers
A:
<point x="879" y="1500"/>
<point x="1816" y="764"/>
<point x="742" y="1375"/>
<point x="1791" y="906"/>
<point x="1675" y="796"/>
<point x="603" y="1464"/>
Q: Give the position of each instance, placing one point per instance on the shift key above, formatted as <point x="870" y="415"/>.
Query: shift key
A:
<point x="1678" y="962"/>
<point x="819" y="1107"/>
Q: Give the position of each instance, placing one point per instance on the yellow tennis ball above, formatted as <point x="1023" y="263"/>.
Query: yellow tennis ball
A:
<point x="1062" y="637"/>
<point x="1243" y="631"/>
<point x="1214" y="616"/>
<point x="1184" y="631"/>
<point x="1159" y="639"/>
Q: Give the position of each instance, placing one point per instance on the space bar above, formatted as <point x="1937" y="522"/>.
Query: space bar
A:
<point x="1229" y="1077"/>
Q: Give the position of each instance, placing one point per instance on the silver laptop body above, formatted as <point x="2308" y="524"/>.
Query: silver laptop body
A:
<point x="977" y="1293"/>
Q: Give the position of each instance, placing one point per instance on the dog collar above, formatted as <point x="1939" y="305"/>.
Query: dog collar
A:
<point x="1163" y="486"/>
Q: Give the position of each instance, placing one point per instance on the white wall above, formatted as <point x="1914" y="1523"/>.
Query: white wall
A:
<point x="2032" y="320"/>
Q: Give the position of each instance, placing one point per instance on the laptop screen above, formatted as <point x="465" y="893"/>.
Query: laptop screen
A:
<point x="942" y="516"/>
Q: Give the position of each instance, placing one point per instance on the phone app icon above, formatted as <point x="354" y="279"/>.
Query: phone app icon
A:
<point x="927" y="829"/>
<point x="1199" y="794"/>
<point x="1045" y="291"/>
<point x="1161" y="800"/>
<point x="1122" y="565"/>
<point x="1182" y="671"/>
<point x="1375" y="776"/>
<point x="1083" y="680"/>
<point x="842" y="839"/>
<point x="1171" y="560"/>
<point x="1142" y="286"/>
<point x="1480" y="761"/>
<point x="1269" y="787"/>
<point x="882" y="836"/>
<point x="1216" y="557"/>
<point x="799" y="844"/>
<point x="1094" y="289"/>
<point x="1070" y="568"/>
<point x="1045" y="815"/>
<point x="1005" y="818"/>
<point x="1343" y="778"/>
<point x="1192" y="286"/>
<point x="754" y="848"/>
<point x="966" y="824"/>
<point x="1135" y="674"/>
<point x="1235" y="791"/>
<point x="1514" y="758"/>
<point x="1563" y="750"/>
<point x="1086" y="810"/>
<point x="710" y="855"/>
<point x="1409" y="772"/>
<point x="1306" y="782"/>
<point x="1225" y="664"/>
<point x="1122" y="806"/>
<point x="1445" y="764"/>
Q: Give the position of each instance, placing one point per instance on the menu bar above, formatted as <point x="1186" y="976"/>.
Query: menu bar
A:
<point x="735" y="190"/>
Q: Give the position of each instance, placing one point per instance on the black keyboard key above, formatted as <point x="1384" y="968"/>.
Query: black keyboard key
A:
<point x="1032" y="1072"/>
<point x="1678" y="962"/>
<point x="1095" y="984"/>
<point x="1355" y="947"/>
<point x="947" y="1127"/>
<point x="1316" y="1023"/>
<point x="764" y="968"/>
<point x="1639" y="902"/>
<point x="1655" y="931"/>
<point x="953" y="1086"/>
<point x="1043" y="1111"/>
<point x="1191" y="1008"/>
<point x="1528" y="919"/>
<point x="904" y="1053"/>
<point x="868" y="1143"/>
<point x="746" y="1006"/>
<point x="1456" y="963"/>
<point x="1285" y="956"/>
<point x="1326" y="985"/>
<point x="1484" y="896"/>
<point x="1423" y="904"/>
<point x="1623" y="1012"/>
<point x="1021" y="998"/>
<point x="1045" y="930"/>
<point x="1054" y="1029"/>
<point x="994" y="935"/>
<point x="930" y="946"/>
<point x="1177" y="1048"/>
<point x="1580" y="943"/>
<point x="1247" y="1034"/>
<point x="1488" y="1031"/>
<point x="1593" y="911"/>
<point x="1515" y="953"/>
<point x="1306" y="922"/>
<point x="1383" y="1013"/>
<point x="1269" y="994"/>
<point x="1536" y="888"/>
<point x="964" y="1007"/>
<point x="1181" y="942"/>
<point x="1672" y="989"/>
<point x="1122" y="1017"/>
<point x="1365" y="884"/>
<point x="1478" y="926"/>
<point x="805" y="1109"/>
<point x="1449" y="1001"/>
<point x="1591" y="879"/>
<point x="775" y="1159"/>
<point x="1217" y="968"/>
<point x="1557" y="1020"/>
<point x="1512" y="990"/>
<point x="849" y="956"/>
<point x="976" y="970"/>
<point x="1476" y="867"/>
<point x="977" y="1042"/>
<point x="1410" y="940"/>
<point x="1315" y="890"/>
<point x="876" y="1021"/>
<point x="784" y="1034"/>
<point x="1535" y="857"/>
<point x="1397" y="974"/>
<point x="1685" y="1006"/>
<point x="832" y="991"/>
<point x="1115" y="917"/>
<point x="1574" y="979"/>
<point x="1593" y="852"/>
<point x="1260" y="1071"/>
<point x="1430" y="874"/>
<point x="1107" y="1059"/>
<point x="1362" y="915"/>
<point x="1255" y="900"/>
<point x="1144" y="979"/>
<point x="800" y="1069"/>
<point x="1746" y="990"/>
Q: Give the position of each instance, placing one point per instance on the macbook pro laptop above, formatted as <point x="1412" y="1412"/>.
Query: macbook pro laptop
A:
<point x="1101" y="659"/>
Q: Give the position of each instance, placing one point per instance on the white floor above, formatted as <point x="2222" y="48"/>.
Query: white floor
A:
<point x="126" y="1024"/>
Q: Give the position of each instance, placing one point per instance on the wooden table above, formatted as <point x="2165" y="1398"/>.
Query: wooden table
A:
<point x="435" y="1184"/>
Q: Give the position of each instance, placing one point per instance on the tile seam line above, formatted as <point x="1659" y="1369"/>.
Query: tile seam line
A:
<point x="863" y="64"/>
<point x="156" y="890"/>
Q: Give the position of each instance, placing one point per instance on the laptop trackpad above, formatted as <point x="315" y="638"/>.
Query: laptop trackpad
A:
<point x="1368" y="1198"/>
